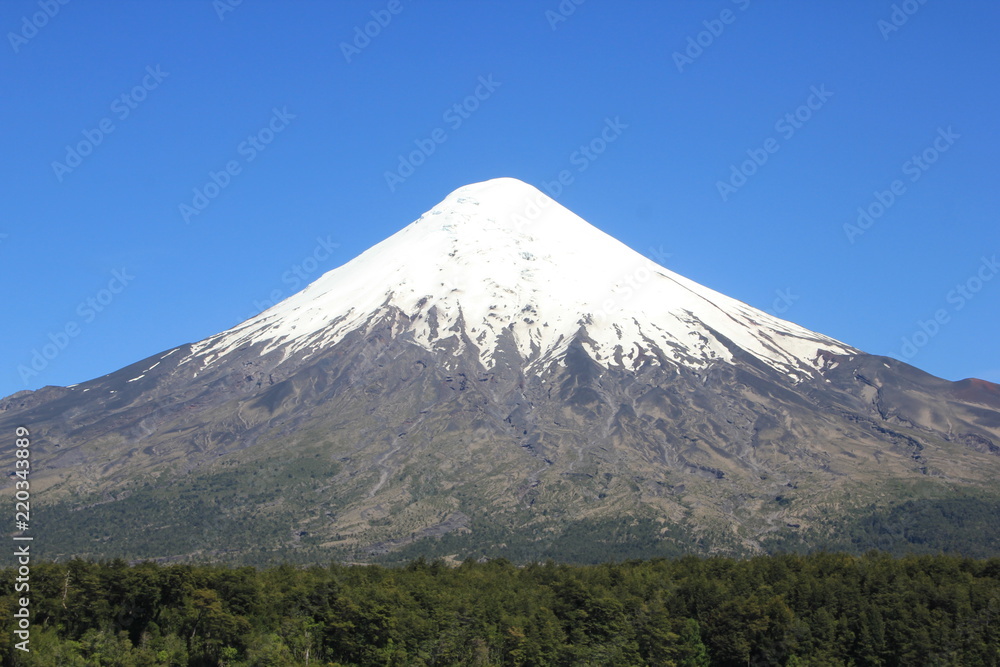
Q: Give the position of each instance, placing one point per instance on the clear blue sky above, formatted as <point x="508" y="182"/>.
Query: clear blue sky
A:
<point x="196" y="86"/>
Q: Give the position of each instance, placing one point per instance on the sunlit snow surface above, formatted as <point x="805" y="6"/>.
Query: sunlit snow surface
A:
<point x="502" y="255"/>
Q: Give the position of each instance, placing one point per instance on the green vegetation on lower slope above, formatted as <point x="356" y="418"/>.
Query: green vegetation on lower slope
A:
<point x="587" y="541"/>
<point x="271" y="509"/>
<point x="237" y="515"/>
<point x="823" y="609"/>
<point x="966" y="525"/>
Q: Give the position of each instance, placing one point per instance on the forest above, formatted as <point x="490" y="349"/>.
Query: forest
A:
<point x="818" y="609"/>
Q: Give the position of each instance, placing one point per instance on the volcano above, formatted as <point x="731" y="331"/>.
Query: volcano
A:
<point x="500" y="377"/>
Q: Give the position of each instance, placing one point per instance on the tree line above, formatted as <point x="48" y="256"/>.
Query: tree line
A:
<point x="819" y="609"/>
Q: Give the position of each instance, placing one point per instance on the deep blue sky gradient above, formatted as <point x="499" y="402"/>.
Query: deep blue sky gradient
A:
<point x="62" y="236"/>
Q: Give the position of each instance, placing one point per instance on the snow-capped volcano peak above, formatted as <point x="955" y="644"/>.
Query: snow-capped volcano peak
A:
<point x="501" y="259"/>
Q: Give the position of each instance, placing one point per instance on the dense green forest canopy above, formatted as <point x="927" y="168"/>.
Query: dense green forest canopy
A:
<point x="820" y="609"/>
